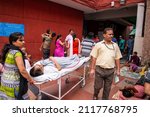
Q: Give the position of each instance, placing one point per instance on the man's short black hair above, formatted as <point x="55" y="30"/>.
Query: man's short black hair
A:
<point x="35" y="72"/>
<point x="90" y="35"/>
<point x="107" y="29"/>
<point x="135" y="52"/>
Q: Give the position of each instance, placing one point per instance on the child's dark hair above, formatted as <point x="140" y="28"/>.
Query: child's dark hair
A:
<point x="127" y="93"/>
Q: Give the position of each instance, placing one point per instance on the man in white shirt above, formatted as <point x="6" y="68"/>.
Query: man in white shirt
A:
<point x="69" y="42"/>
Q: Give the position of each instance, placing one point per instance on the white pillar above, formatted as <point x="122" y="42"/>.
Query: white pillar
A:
<point x="138" y="41"/>
<point x="139" y="19"/>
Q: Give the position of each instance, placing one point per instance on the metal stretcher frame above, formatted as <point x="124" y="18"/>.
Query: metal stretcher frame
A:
<point x="59" y="82"/>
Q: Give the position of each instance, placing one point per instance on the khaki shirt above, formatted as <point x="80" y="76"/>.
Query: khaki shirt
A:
<point x="106" y="54"/>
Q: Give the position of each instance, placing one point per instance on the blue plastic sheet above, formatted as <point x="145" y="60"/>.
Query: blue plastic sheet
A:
<point x="7" y="28"/>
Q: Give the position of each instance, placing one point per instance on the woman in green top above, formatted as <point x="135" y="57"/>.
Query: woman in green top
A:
<point x="15" y="77"/>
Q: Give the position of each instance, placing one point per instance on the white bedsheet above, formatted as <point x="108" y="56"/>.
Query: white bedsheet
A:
<point x="57" y="74"/>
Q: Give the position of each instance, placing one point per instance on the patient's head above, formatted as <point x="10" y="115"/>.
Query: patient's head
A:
<point x="37" y="70"/>
<point x="127" y="93"/>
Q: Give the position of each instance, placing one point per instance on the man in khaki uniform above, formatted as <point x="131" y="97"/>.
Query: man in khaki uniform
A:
<point x="105" y="57"/>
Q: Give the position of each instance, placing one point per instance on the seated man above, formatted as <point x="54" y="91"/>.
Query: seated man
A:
<point x="49" y="65"/>
<point x="134" y="62"/>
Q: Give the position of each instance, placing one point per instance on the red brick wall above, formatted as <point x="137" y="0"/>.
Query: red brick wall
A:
<point x="37" y="16"/>
<point x="146" y="41"/>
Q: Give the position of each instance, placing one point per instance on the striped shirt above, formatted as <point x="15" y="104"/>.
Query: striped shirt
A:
<point x="87" y="45"/>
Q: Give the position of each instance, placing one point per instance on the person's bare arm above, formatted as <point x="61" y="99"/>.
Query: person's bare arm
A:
<point x="22" y="69"/>
<point x="80" y="52"/>
<point x="67" y="44"/>
<point x="61" y="43"/>
<point x="41" y="46"/>
<point x="118" y="66"/>
<point x="147" y="88"/>
<point x="55" y="63"/>
<point x="92" y="66"/>
<point x="44" y="34"/>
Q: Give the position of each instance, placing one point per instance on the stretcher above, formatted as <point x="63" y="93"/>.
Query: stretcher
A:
<point x="66" y="74"/>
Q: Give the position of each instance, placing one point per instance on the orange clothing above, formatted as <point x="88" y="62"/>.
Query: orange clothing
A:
<point x="76" y="46"/>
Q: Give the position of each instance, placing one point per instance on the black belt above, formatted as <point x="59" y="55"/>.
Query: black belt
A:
<point x="105" y="68"/>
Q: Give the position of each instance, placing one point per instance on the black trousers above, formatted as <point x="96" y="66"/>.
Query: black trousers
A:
<point x="46" y="53"/>
<point x="103" y="79"/>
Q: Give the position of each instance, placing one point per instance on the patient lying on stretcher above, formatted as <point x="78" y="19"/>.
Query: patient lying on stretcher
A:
<point x="53" y="64"/>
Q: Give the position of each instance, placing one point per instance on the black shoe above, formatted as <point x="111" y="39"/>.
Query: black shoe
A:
<point x="95" y="97"/>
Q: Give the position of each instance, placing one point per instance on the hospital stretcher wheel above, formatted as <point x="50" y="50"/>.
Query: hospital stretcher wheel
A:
<point x="82" y="84"/>
<point x="67" y="81"/>
<point x="39" y="96"/>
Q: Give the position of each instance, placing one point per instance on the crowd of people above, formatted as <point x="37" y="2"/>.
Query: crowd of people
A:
<point x="105" y="60"/>
<point x="125" y="45"/>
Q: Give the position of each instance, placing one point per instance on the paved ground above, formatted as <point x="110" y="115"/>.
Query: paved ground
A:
<point x="80" y="93"/>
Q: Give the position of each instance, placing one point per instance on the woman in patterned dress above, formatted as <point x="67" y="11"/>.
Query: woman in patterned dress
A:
<point x="15" y="77"/>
